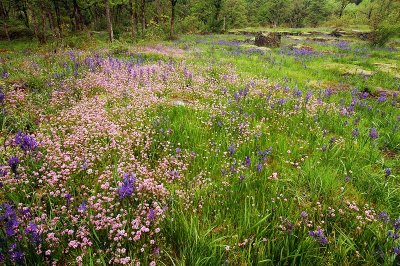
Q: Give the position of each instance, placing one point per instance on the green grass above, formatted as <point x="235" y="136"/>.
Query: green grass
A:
<point x="220" y="211"/>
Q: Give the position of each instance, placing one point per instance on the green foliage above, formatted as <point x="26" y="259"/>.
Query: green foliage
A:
<point x="384" y="20"/>
<point x="317" y="12"/>
<point x="190" y="24"/>
<point x="383" y="33"/>
<point x="235" y="13"/>
<point x="191" y="16"/>
<point x="218" y="219"/>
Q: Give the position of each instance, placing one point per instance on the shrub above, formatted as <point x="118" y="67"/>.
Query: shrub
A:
<point x="383" y="33"/>
<point x="190" y="24"/>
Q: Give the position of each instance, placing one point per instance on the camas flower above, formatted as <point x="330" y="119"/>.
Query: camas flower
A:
<point x="396" y="250"/>
<point x="304" y="214"/>
<point x="247" y="162"/>
<point x="33" y="232"/>
<point x="3" y="172"/>
<point x="232" y="149"/>
<point x="25" y="141"/>
<point x="383" y="216"/>
<point x="319" y="235"/>
<point x="5" y="74"/>
<point x="83" y="207"/>
<point x="355" y="133"/>
<point x="15" y="255"/>
<point x="373" y="133"/>
<point x="259" y="167"/>
<point x="9" y="219"/>
<point x="382" y="98"/>
<point x="13" y="163"/>
<point x="127" y="188"/>
<point x="152" y="215"/>
<point x="2" y="96"/>
<point x="85" y="166"/>
<point x="388" y="171"/>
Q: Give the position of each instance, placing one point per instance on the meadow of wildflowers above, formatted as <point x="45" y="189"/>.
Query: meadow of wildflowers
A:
<point x="203" y="151"/>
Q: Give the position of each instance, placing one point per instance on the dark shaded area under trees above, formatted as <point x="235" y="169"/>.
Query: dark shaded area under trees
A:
<point x="45" y="19"/>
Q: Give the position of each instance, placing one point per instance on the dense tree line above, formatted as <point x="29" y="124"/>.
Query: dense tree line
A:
<point x="56" y="18"/>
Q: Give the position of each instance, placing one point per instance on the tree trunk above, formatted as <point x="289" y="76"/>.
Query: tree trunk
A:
<point x="172" y="32"/>
<point x="51" y="23"/>
<point x="133" y="13"/>
<point x="58" y="17"/>
<point x="43" y="31"/>
<point x="142" y="9"/>
<point x="25" y="12"/>
<point x="77" y="16"/>
<point x="109" y="23"/>
<point x="4" y="14"/>
<point x="6" y="30"/>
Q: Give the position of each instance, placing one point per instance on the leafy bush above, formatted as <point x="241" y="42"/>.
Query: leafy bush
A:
<point x="190" y="24"/>
<point x="383" y="33"/>
<point x="78" y="41"/>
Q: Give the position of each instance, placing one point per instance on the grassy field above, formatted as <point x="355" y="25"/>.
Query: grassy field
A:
<point x="207" y="150"/>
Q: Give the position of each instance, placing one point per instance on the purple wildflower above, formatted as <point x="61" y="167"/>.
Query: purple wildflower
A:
<point x="355" y="133"/>
<point x="16" y="256"/>
<point x="297" y="93"/>
<point x="388" y="171"/>
<point x="83" y="207"/>
<point x="309" y="94"/>
<point x="178" y="150"/>
<point x="2" y="96"/>
<point x="233" y="169"/>
<point x="373" y="133"/>
<point x="382" y="98"/>
<point x="25" y="141"/>
<point x="319" y="235"/>
<point x="13" y="163"/>
<point x="174" y="174"/>
<point x="259" y="167"/>
<point x="152" y="215"/>
<point x="396" y="250"/>
<point x="68" y="198"/>
<point x="363" y="95"/>
<point x="393" y="235"/>
<point x="264" y="154"/>
<point x="396" y="224"/>
<point x="84" y="166"/>
<point x="328" y="92"/>
<point x="33" y="232"/>
<point x="3" y="172"/>
<point x="232" y="149"/>
<point x="304" y="214"/>
<point x="26" y="212"/>
<point x="383" y="216"/>
<point x="156" y="251"/>
<point x="343" y="45"/>
<point x="5" y="74"/>
<point x="247" y="161"/>
<point x="127" y="188"/>
<point x="9" y="218"/>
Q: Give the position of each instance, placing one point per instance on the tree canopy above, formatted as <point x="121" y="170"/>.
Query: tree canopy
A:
<point x="142" y="18"/>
